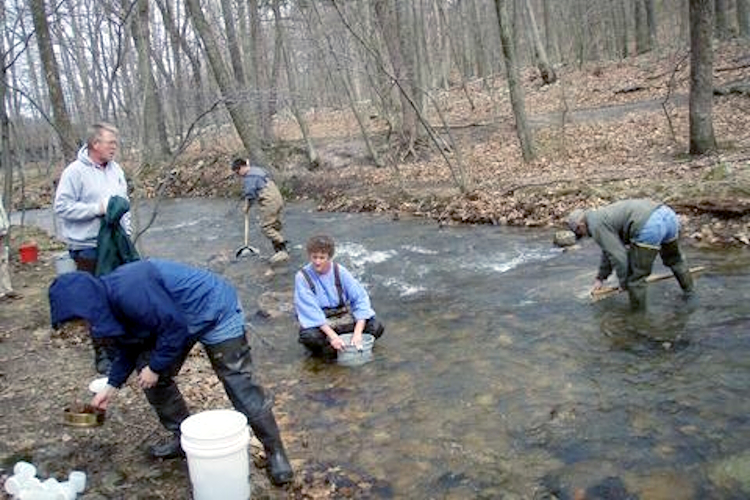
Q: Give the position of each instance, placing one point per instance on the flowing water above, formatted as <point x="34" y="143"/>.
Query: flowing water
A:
<point x="496" y="378"/>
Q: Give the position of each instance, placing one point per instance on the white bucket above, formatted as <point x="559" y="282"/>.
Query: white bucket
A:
<point x="350" y="355"/>
<point x="216" y="445"/>
<point x="64" y="264"/>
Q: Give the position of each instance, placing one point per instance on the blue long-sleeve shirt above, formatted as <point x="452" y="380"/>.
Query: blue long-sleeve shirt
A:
<point x="309" y="305"/>
<point x="254" y="182"/>
<point x="149" y="305"/>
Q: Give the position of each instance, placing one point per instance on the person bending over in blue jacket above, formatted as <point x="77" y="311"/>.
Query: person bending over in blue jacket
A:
<point x="329" y="301"/>
<point x="155" y="311"/>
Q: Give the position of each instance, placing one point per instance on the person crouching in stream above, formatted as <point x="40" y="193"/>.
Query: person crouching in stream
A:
<point x="154" y="311"/>
<point x="329" y="301"/>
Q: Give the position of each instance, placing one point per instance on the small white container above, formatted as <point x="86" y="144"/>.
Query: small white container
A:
<point x="64" y="264"/>
<point x="13" y="485"/>
<point x="69" y="490"/>
<point x="97" y="385"/>
<point x="24" y="469"/>
<point x="77" y="479"/>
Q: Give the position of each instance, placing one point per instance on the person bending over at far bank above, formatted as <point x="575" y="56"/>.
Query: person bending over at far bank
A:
<point x="155" y="311"/>
<point x="329" y="301"/>
<point x="631" y="233"/>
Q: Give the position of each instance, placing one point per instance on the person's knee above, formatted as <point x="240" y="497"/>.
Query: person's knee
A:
<point x="374" y="328"/>
<point x="670" y="254"/>
<point x="313" y="337"/>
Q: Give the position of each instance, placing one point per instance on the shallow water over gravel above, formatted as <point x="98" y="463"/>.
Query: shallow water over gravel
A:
<point x="496" y="378"/>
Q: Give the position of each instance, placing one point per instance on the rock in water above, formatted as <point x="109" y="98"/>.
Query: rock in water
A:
<point x="564" y="238"/>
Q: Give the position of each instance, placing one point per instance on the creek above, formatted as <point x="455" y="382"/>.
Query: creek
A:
<point x="496" y="377"/>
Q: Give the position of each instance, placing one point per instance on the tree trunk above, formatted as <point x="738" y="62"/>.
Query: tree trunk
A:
<point x="545" y="69"/>
<point x="389" y="26"/>
<point x="743" y="17"/>
<point x="642" y="31"/>
<point x="312" y="154"/>
<point x="722" y="19"/>
<point x="154" y="140"/>
<point x="550" y="29"/>
<point x="240" y="110"/>
<point x="5" y="155"/>
<point x="702" y="139"/>
<point x="235" y="52"/>
<point x="514" y="85"/>
<point x="318" y="35"/>
<point x="651" y="21"/>
<point x="479" y="54"/>
<point x="620" y="23"/>
<point x="63" y="126"/>
<point x="198" y="100"/>
<point x="262" y="81"/>
<point x="87" y="104"/>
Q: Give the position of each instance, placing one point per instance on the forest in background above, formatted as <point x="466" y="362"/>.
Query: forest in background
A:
<point x="193" y="83"/>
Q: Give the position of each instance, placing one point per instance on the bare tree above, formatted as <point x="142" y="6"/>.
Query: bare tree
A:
<point x="514" y="85"/>
<point x="545" y="69"/>
<point x="643" y="31"/>
<point x="195" y="82"/>
<point x="702" y="139"/>
<point x="239" y="109"/>
<point x="721" y="19"/>
<point x="5" y="156"/>
<point x="63" y="124"/>
<point x="389" y="24"/>
<point x="344" y="83"/>
<point x="743" y="17"/>
<point x="235" y="51"/>
<point x="154" y="141"/>
<point x="262" y="82"/>
<point x="550" y="29"/>
<point x="291" y="77"/>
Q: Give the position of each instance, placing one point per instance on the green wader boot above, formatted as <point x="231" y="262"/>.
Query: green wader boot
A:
<point x="640" y="261"/>
<point x="673" y="259"/>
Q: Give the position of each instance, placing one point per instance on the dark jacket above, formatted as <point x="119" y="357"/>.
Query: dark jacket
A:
<point x="149" y="305"/>
<point x="113" y="243"/>
<point x="614" y="227"/>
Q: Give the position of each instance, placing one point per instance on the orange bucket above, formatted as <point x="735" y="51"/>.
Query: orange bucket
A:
<point x="29" y="252"/>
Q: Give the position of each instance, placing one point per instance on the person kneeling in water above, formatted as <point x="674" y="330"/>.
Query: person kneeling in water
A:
<point x="329" y="301"/>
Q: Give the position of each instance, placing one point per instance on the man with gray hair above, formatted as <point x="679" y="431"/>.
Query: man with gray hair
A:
<point x="81" y="200"/>
<point x="631" y="233"/>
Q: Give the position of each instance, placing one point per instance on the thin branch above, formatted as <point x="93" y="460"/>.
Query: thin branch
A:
<point x="403" y="92"/>
<point x="163" y="186"/>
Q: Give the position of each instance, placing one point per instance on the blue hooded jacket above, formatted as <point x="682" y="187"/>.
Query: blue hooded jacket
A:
<point x="155" y="305"/>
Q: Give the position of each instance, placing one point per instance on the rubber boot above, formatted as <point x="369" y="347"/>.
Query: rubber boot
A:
<point x="170" y="407"/>
<point x="167" y="449"/>
<point x="103" y="355"/>
<point x="317" y="343"/>
<point x="672" y="258"/>
<point x="281" y="255"/>
<point x="640" y="261"/>
<point x="232" y="363"/>
<point x="265" y="429"/>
